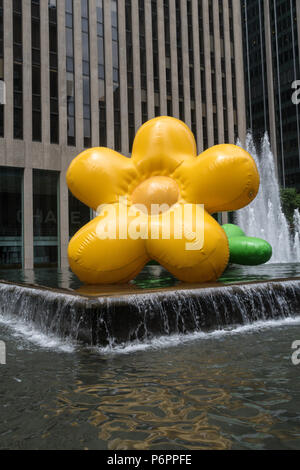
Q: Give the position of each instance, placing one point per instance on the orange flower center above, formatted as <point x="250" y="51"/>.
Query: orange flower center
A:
<point x="157" y="194"/>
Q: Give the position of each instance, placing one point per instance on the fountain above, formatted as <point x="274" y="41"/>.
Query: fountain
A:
<point x="129" y="317"/>
<point x="264" y="217"/>
<point x="155" y="303"/>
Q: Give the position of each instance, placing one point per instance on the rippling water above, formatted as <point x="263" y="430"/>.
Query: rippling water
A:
<point x="224" y="390"/>
<point x="152" y="276"/>
<point x="230" y="389"/>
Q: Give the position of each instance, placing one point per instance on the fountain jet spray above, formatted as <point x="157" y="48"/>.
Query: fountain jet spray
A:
<point x="264" y="217"/>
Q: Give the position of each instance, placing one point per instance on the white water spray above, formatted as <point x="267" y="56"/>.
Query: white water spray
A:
<point x="264" y="217"/>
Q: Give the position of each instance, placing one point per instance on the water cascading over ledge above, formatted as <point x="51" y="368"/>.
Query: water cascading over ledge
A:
<point x="114" y="320"/>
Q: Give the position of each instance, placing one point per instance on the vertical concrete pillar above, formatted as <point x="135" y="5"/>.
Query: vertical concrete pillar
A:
<point x="185" y="63"/>
<point x="63" y="125"/>
<point x="28" y="219"/>
<point x="239" y="71"/>
<point x="64" y="219"/>
<point x="197" y="74"/>
<point x="123" y="78"/>
<point x="270" y="81"/>
<point x="108" y="75"/>
<point x="94" y="73"/>
<point x="162" y="57"/>
<point x="224" y="218"/>
<point x="207" y="65"/>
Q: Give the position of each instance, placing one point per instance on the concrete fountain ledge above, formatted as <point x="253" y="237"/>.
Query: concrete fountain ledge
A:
<point x="111" y="316"/>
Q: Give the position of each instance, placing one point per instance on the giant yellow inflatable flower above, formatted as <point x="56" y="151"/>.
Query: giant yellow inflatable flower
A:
<point x="164" y="169"/>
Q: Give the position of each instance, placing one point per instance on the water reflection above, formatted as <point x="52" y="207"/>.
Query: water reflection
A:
<point x="151" y="277"/>
<point x="208" y="400"/>
<point x="234" y="392"/>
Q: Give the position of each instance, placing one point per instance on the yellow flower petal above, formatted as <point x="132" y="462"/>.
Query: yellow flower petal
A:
<point x="161" y="144"/>
<point x="100" y="175"/>
<point x="107" y="260"/>
<point x="223" y="178"/>
<point x="210" y="254"/>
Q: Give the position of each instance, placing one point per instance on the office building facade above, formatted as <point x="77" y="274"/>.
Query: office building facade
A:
<point x="271" y="32"/>
<point x="82" y="73"/>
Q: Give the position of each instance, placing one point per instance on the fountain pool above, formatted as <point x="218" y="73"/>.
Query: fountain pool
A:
<point x="231" y="389"/>
<point x="157" y="364"/>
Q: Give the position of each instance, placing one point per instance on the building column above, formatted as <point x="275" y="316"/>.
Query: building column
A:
<point x="123" y="77"/>
<point x="94" y="73"/>
<point x="63" y="219"/>
<point x="63" y="125"/>
<point x="239" y="71"/>
<point x="8" y="71"/>
<point x="108" y="75"/>
<point x="28" y="219"/>
<point x="228" y="72"/>
<point x="197" y="75"/>
<point x="162" y="58"/>
<point x="174" y="63"/>
<point x="207" y="65"/>
<point x="185" y="63"/>
<point x="224" y="218"/>
<point x="270" y="81"/>
<point x="78" y="75"/>
<point x="218" y="72"/>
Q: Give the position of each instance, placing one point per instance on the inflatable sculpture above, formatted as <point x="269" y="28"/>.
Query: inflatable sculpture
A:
<point x="247" y="251"/>
<point x="163" y="172"/>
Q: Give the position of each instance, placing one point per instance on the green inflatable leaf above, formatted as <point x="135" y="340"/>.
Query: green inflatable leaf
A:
<point x="247" y="251"/>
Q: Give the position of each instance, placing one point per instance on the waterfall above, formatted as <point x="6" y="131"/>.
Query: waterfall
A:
<point x="264" y="217"/>
<point x="126" y="319"/>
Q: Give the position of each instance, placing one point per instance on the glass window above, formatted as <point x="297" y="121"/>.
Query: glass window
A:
<point x="70" y="74"/>
<point x="131" y="118"/>
<point x="143" y="60"/>
<point x="53" y="60"/>
<point x="11" y="205"/>
<point x="116" y="79"/>
<point x="86" y="73"/>
<point x="155" y="56"/>
<point x="18" y="66"/>
<point x="79" y="215"/>
<point x="45" y="217"/>
<point x="36" y="71"/>
<point x="179" y="59"/>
